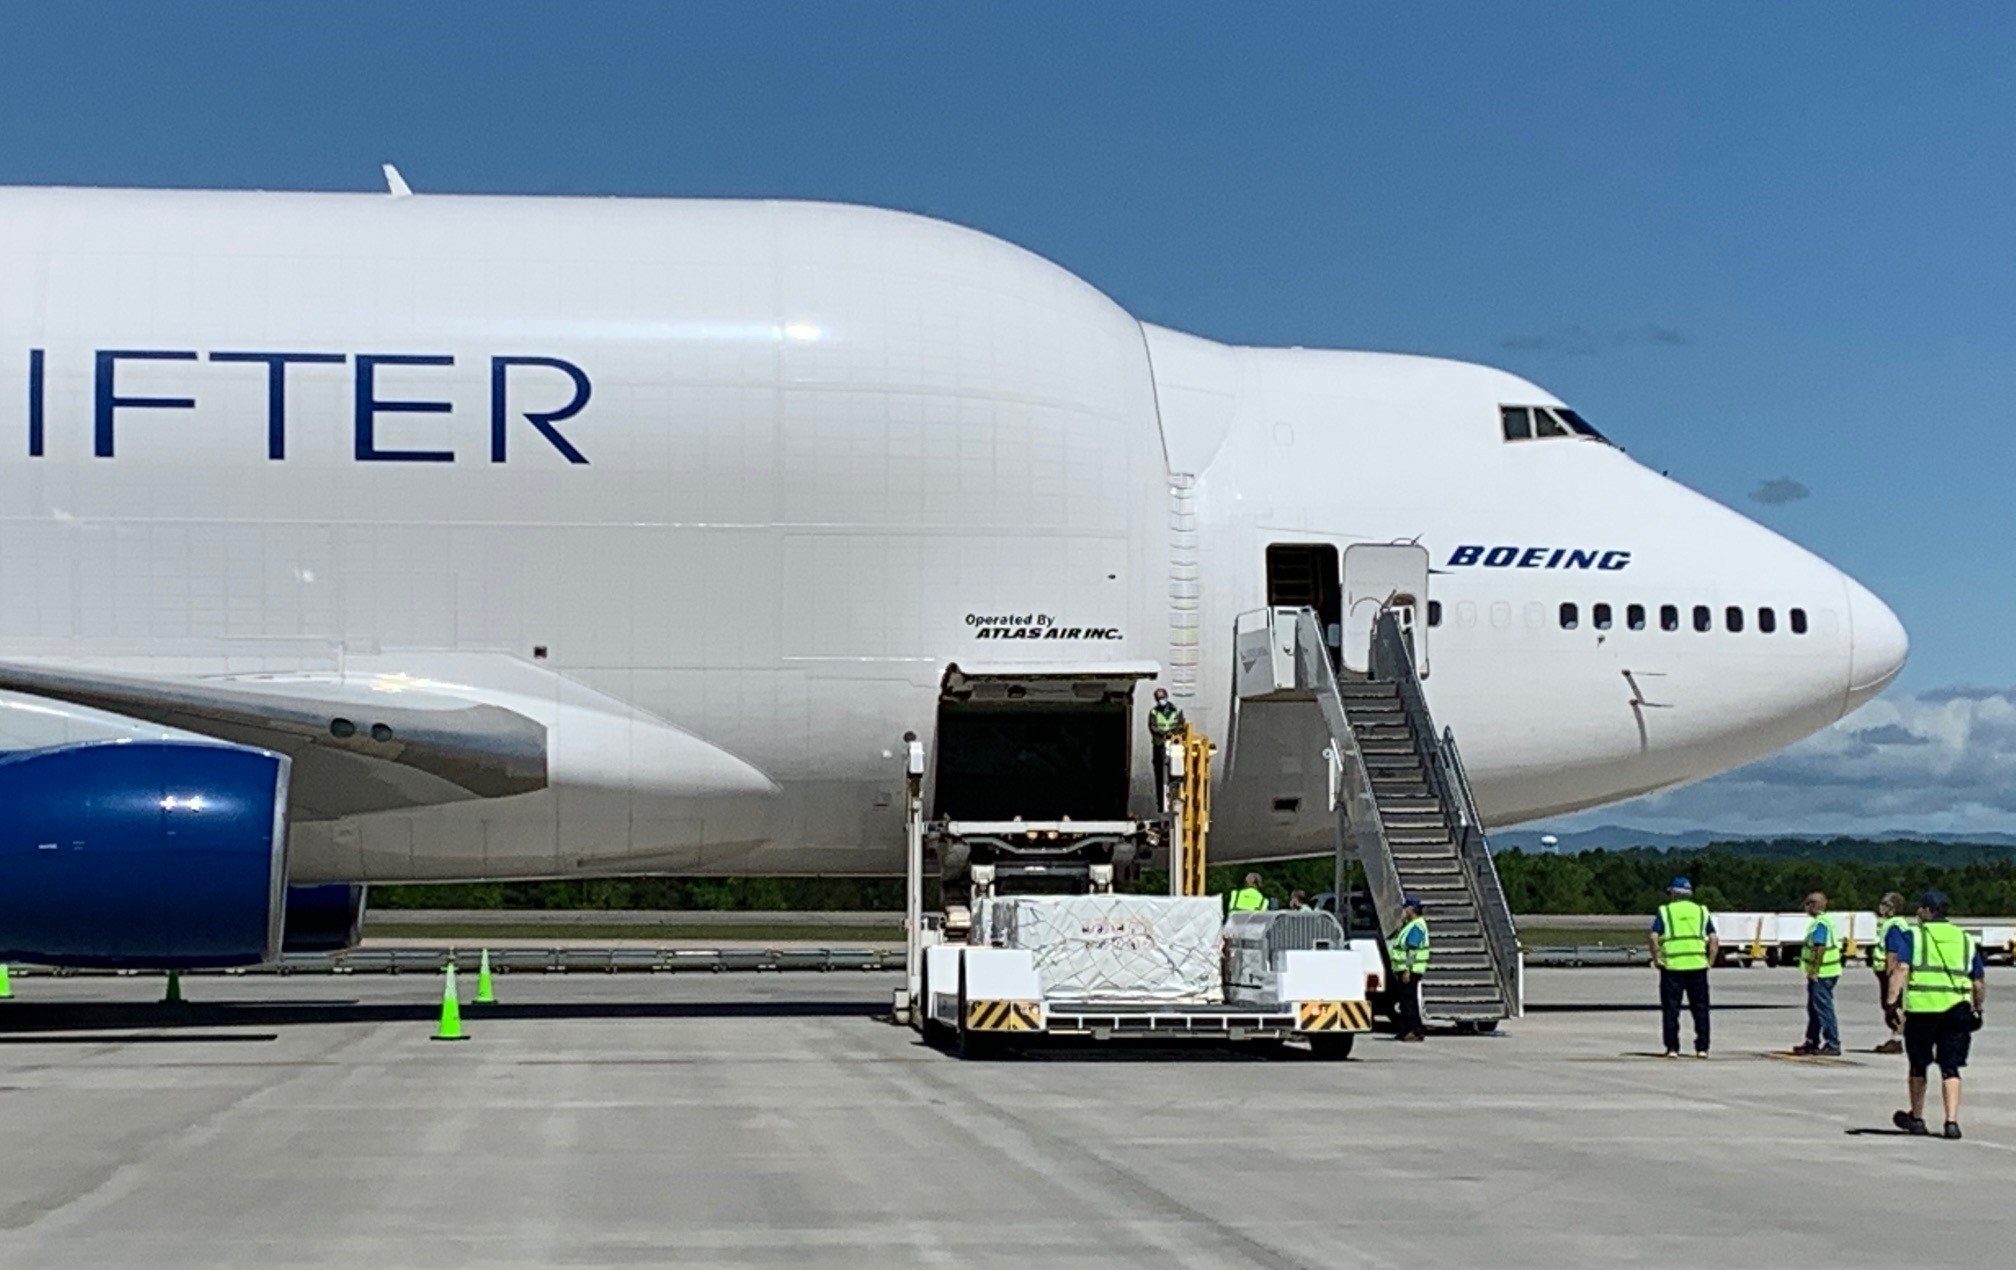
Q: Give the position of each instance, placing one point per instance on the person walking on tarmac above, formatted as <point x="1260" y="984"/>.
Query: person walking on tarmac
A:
<point x="1889" y="917"/>
<point x="1164" y="718"/>
<point x="1248" y="898"/>
<point x="1821" y="957"/>
<point x="1407" y="957"/>
<point x="1684" y="946"/>
<point x="1939" y="985"/>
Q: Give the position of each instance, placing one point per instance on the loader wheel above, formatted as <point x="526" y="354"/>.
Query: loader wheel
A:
<point x="1332" y="1047"/>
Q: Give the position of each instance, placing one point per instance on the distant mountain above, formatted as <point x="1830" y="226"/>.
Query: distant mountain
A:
<point x="1621" y="837"/>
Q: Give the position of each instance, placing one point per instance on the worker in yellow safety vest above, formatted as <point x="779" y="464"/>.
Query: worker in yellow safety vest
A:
<point x="1939" y="984"/>
<point x="1684" y="946"/>
<point x="1248" y="898"/>
<point x="1165" y="718"/>
<point x="1407" y="957"/>
<point x="1889" y="917"/>
<point x="1820" y="955"/>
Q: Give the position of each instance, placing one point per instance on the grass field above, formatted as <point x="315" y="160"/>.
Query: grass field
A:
<point x="575" y="932"/>
<point x="1579" y="937"/>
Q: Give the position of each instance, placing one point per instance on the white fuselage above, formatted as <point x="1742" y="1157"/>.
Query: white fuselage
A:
<point x="717" y="490"/>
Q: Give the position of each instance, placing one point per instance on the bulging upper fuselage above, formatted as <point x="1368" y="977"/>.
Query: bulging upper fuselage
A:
<point x="715" y="491"/>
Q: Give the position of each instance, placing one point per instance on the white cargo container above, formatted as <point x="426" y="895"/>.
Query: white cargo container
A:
<point x="1268" y="978"/>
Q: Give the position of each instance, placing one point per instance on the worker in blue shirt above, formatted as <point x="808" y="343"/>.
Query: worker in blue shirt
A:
<point x="1407" y="955"/>
<point x="1684" y="946"/>
<point x="1821" y="959"/>
<point x="1889" y="918"/>
<point x="1939" y="986"/>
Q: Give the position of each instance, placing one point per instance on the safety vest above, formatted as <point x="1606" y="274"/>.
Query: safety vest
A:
<point x="1942" y="966"/>
<point x="1684" y="945"/>
<point x="1247" y="899"/>
<point x="1879" y="955"/>
<point x="1163" y="719"/>
<point x="1830" y="954"/>
<point x="1412" y="960"/>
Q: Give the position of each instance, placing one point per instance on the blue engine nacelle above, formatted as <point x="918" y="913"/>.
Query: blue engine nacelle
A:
<point x="325" y="918"/>
<point x="168" y="854"/>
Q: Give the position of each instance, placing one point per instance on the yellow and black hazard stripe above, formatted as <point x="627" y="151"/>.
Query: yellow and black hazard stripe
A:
<point x="1004" y="1016"/>
<point x="1335" y="1016"/>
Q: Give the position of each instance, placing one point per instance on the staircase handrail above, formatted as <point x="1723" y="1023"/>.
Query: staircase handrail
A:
<point x="1482" y="866"/>
<point x="1357" y="808"/>
<point x="1392" y="660"/>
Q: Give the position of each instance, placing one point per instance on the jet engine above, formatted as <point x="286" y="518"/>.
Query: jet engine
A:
<point x="325" y="918"/>
<point x="158" y="854"/>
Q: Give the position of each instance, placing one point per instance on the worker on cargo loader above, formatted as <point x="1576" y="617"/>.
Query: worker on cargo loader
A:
<point x="1889" y="917"/>
<point x="1684" y="946"/>
<point x="1407" y="956"/>
<point x="1939" y="984"/>
<point x="1821" y="957"/>
<point x="1248" y="898"/>
<point x="1164" y="718"/>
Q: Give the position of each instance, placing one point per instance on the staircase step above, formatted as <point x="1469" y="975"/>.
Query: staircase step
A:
<point x="1388" y="784"/>
<point x="1382" y="727"/>
<point x="1368" y="713"/>
<point x="1387" y="767"/>
<point x="1474" y="990"/>
<point x="1462" y="939"/>
<point x="1361" y="689"/>
<point x="1424" y="846"/>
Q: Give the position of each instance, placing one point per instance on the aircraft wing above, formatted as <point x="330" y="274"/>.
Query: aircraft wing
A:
<point x="358" y="744"/>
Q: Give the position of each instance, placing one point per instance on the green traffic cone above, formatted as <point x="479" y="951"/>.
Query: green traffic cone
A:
<point x="451" y="1010"/>
<point x="174" y="995"/>
<point x="6" y="984"/>
<point x="486" y="994"/>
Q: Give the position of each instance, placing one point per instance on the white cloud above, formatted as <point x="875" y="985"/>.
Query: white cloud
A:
<point x="1941" y="761"/>
<point x="1779" y="490"/>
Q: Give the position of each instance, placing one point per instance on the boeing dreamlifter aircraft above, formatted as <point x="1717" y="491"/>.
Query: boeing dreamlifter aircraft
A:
<point x="354" y="538"/>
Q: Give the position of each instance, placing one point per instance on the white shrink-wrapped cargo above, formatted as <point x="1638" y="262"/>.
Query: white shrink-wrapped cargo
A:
<point x="1128" y="948"/>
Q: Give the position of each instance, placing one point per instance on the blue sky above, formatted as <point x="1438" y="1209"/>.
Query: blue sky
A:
<point x="1767" y="247"/>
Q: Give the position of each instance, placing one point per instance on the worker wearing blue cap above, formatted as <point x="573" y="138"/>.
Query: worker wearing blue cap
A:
<point x="1407" y="956"/>
<point x="1938" y="983"/>
<point x="1684" y="946"/>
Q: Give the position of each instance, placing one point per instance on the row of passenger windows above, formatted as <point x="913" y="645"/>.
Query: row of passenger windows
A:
<point x="1637" y="617"/>
<point x="1536" y="423"/>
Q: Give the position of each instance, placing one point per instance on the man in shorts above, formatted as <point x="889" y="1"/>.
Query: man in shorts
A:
<point x="1939" y="984"/>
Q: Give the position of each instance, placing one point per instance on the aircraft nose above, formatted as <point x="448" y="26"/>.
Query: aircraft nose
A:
<point x="1877" y="645"/>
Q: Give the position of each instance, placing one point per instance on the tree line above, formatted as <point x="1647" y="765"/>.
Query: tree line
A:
<point x="1767" y="876"/>
<point x="1726" y="879"/>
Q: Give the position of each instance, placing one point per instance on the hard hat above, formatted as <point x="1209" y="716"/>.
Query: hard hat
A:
<point x="1681" y="886"/>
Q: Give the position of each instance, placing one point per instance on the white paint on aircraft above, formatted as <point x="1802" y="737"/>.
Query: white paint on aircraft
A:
<point x="706" y="495"/>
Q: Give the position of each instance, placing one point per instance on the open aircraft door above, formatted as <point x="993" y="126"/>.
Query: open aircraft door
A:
<point x="1041" y="741"/>
<point x="1385" y="575"/>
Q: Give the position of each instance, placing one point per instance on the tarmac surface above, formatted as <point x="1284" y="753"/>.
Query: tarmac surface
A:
<point x="772" y="1120"/>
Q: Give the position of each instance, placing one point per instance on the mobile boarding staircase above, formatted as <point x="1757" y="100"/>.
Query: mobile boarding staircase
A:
<point x="1403" y="804"/>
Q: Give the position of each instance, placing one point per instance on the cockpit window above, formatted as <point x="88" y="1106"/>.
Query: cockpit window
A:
<point x="1579" y="424"/>
<point x="1531" y="423"/>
